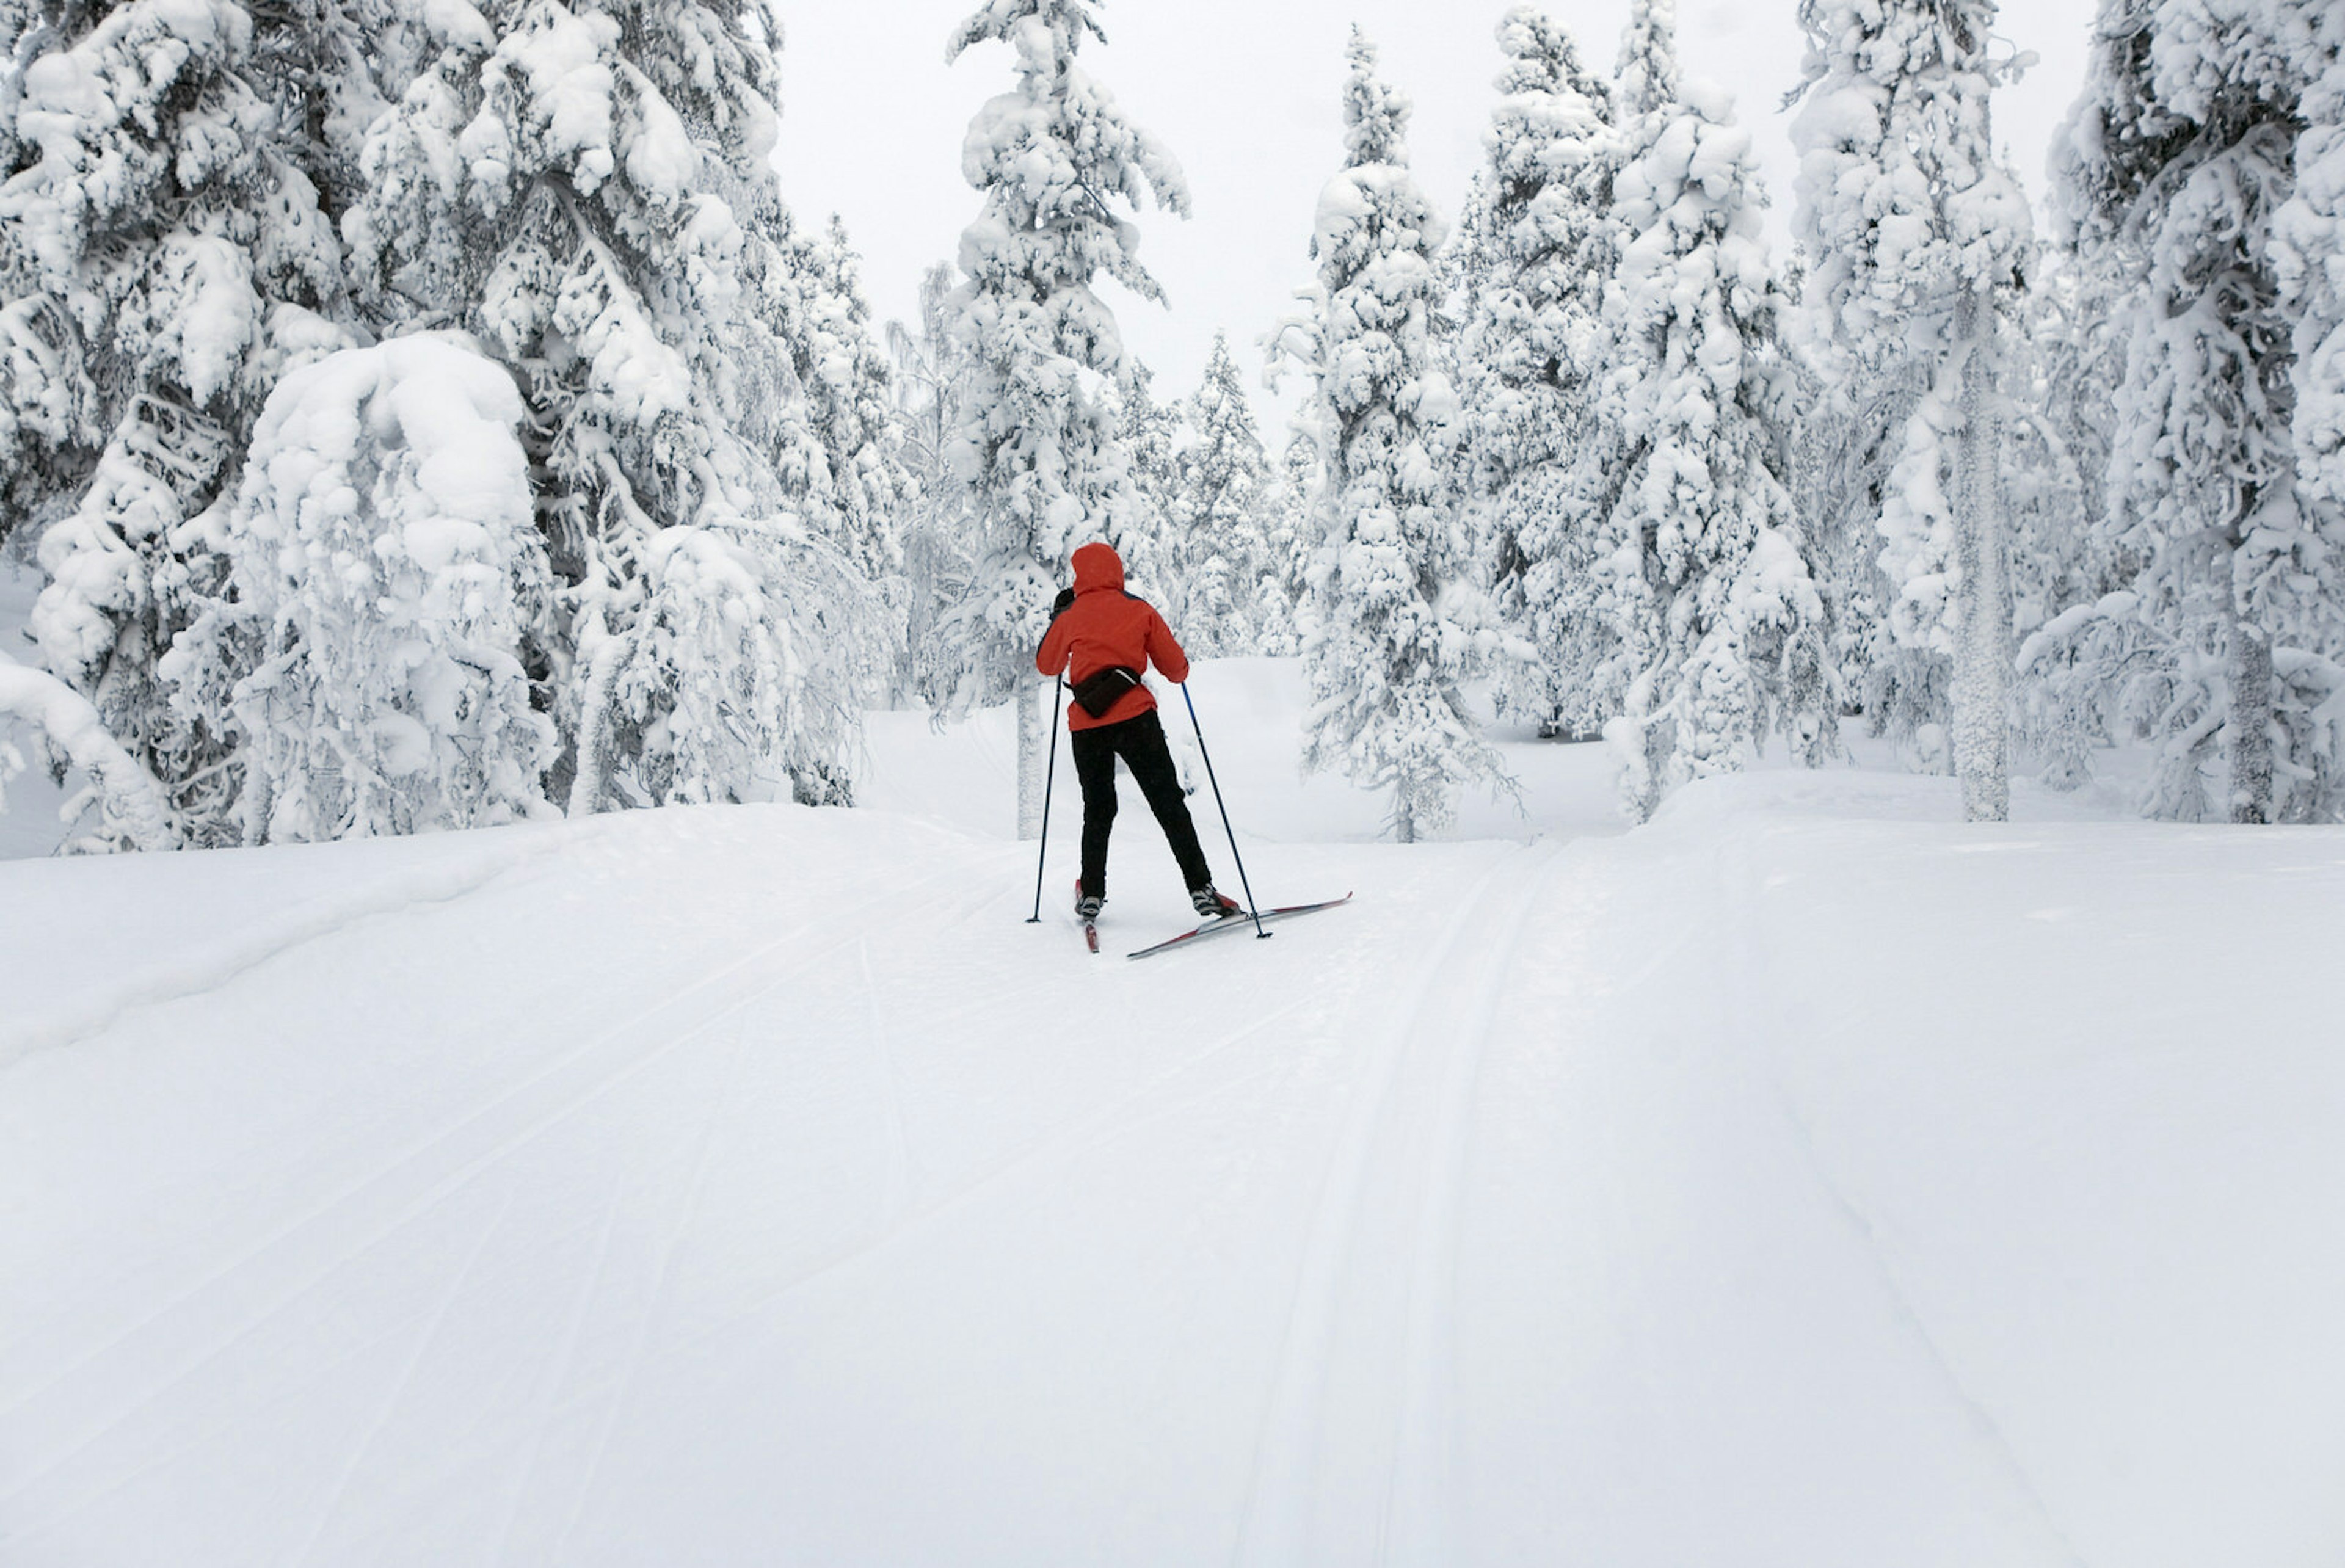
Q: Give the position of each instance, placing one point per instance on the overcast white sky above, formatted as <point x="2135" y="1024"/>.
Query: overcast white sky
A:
<point x="1244" y="93"/>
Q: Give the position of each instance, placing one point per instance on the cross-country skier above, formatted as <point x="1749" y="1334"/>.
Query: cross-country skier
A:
<point x="1103" y="640"/>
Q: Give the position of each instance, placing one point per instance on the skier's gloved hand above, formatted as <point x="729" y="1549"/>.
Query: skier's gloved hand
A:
<point x="1058" y="605"/>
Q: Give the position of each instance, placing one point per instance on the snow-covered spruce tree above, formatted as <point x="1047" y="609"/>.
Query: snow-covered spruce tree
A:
<point x="1850" y="434"/>
<point x="858" y="501"/>
<point x="2064" y="422"/>
<point x="1037" y="439"/>
<point x="386" y="578"/>
<point x="1388" y="637"/>
<point x="850" y="402"/>
<point x="2308" y="252"/>
<point x="1702" y="560"/>
<point x="1534" y="458"/>
<point x="130" y="135"/>
<point x="1219" y="507"/>
<point x="1915" y="237"/>
<point x="932" y="375"/>
<point x="585" y="188"/>
<point x="2181" y="152"/>
<point x="2065" y="555"/>
<point x="1155" y="551"/>
<point x="1460" y="266"/>
<point x="1289" y="540"/>
<point x="127" y="804"/>
<point x="165" y="255"/>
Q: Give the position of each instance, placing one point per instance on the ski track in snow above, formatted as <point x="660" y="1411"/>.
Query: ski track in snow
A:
<point x="1439" y="1038"/>
<point x="1423" y="1487"/>
<point x="539" y="1428"/>
<point x="442" y="1164"/>
<point x="400" y="1386"/>
<point x="648" y="1322"/>
<point x="1062" y="1144"/>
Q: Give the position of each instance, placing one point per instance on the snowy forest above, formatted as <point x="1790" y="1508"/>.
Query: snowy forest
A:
<point x="430" y="417"/>
<point x="1737" y="705"/>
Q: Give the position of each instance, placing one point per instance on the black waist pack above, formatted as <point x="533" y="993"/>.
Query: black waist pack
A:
<point x="1096" y="693"/>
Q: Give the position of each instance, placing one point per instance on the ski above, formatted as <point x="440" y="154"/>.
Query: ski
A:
<point x="1237" y="922"/>
<point x="1091" y="934"/>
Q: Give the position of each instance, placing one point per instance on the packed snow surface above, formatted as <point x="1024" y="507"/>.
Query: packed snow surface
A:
<point x="1803" y="1180"/>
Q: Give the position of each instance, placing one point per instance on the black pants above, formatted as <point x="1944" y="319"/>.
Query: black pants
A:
<point x="1141" y="743"/>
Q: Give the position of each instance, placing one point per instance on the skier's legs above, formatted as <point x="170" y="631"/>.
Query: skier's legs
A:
<point x="1141" y="742"/>
<point x="1095" y="770"/>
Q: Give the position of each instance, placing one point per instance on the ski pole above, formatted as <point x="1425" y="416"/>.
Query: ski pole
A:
<point x="1049" y="774"/>
<point x="1259" y="933"/>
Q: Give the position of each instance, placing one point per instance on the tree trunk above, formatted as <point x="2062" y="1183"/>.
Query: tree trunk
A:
<point x="1981" y="694"/>
<point x="1033" y="755"/>
<point x="2250" y="721"/>
<point x="593" y="777"/>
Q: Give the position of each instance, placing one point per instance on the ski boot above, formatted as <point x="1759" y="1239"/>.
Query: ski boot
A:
<point x="1213" y="904"/>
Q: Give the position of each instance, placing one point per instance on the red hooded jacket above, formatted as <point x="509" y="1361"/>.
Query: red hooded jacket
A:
<point x="1103" y="628"/>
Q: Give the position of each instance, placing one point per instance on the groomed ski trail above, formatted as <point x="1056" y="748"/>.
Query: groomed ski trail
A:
<point x="298" y="1256"/>
<point x="755" y="1186"/>
<point x="1397" y="1169"/>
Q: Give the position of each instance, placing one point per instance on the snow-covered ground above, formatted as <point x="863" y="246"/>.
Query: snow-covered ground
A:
<point x="1806" y="1180"/>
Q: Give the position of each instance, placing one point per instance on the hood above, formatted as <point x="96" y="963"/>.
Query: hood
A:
<point x="1097" y="566"/>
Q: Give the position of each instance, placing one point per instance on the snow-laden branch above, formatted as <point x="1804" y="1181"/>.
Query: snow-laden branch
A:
<point x="133" y="800"/>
